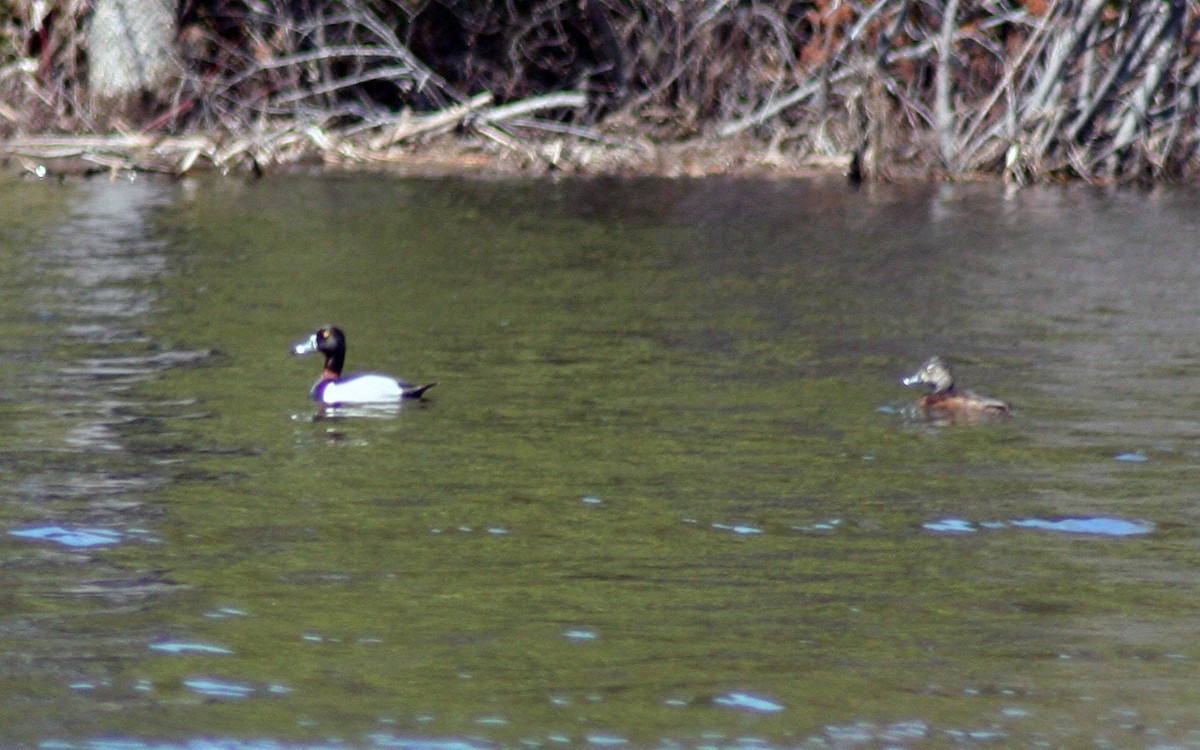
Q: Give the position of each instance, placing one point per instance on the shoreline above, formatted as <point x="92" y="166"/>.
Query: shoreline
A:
<point x="466" y="155"/>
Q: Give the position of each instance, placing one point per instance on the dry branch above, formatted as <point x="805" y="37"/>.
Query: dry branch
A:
<point x="413" y="126"/>
<point x="560" y="100"/>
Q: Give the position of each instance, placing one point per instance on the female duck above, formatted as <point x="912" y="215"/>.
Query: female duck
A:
<point x="945" y="403"/>
<point x="334" y="390"/>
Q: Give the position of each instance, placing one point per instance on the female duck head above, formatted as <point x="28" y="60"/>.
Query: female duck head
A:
<point x="935" y="373"/>
<point x="331" y="342"/>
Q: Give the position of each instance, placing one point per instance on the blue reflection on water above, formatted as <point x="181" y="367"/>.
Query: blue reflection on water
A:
<point x="747" y="702"/>
<point x="738" y="528"/>
<point x="377" y="740"/>
<point x="581" y="634"/>
<point x="205" y="744"/>
<point x="1097" y="526"/>
<point x="1091" y="526"/>
<point x="1133" y="457"/>
<point x="226" y="612"/>
<point x="418" y="743"/>
<point x="71" y="537"/>
<point x="951" y="526"/>
<point x="214" y="688"/>
<point x="184" y="647"/>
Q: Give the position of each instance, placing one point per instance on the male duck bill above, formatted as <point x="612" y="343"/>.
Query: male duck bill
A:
<point x="367" y="388"/>
<point x="946" y="403"/>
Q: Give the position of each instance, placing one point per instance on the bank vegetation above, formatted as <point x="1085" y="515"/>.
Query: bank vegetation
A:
<point x="1029" y="90"/>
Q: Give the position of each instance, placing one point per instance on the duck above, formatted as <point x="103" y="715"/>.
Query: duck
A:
<point x="332" y="389"/>
<point x="946" y="403"/>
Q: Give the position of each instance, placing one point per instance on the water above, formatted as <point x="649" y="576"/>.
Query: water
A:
<point x="665" y="494"/>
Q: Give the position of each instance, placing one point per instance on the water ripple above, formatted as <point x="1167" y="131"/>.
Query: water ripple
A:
<point x="212" y="687"/>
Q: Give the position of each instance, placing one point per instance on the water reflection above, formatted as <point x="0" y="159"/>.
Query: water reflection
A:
<point x="217" y="688"/>
<point x="364" y="411"/>
<point x="81" y="464"/>
<point x="99" y="269"/>
<point x="70" y="537"/>
<point x="103" y="255"/>
<point x="747" y="702"/>
<point x="1098" y="527"/>
<point x="183" y="648"/>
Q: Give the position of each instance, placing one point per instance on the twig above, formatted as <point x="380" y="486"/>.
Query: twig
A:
<point x="560" y="100"/>
<point x="447" y="118"/>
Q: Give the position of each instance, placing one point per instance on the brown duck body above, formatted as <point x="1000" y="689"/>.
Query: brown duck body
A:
<point x="946" y="403"/>
<point x="964" y="403"/>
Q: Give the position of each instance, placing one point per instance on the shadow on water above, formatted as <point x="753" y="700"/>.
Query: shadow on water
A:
<point x="669" y="492"/>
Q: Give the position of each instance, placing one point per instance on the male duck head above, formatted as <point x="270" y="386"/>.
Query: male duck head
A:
<point x="331" y="342"/>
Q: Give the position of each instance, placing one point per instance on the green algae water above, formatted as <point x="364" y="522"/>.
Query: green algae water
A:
<point x="667" y="492"/>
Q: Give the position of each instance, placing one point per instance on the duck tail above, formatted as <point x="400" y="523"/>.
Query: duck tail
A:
<point x="417" y="391"/>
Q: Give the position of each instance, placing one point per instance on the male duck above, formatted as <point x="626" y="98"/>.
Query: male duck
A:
<point x="368" y="388"/>
<point x="945" y="403"/>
